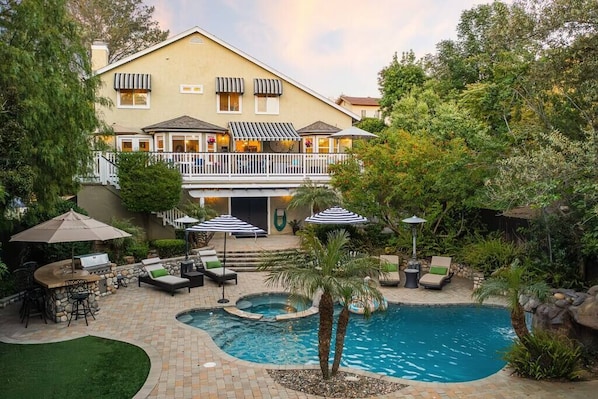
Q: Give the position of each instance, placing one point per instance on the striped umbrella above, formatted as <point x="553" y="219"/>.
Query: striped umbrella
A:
<point x="336" y="215"/>
<point x="226" y="224"/>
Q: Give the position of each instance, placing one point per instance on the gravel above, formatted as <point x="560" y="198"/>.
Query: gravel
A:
<point x="342" y="385"/>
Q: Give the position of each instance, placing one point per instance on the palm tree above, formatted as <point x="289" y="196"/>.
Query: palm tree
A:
<point x="314" y="196"/>
<point x="330" y="270"/>
<point x="512" y="282"/>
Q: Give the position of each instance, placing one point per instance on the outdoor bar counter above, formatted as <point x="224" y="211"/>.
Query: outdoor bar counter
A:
<point x="52" y="278"/>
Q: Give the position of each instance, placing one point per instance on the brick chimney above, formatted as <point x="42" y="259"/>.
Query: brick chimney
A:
<point x="99" y="55"/>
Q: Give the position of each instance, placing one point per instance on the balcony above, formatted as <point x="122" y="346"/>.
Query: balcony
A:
<point x="204" y="169"/>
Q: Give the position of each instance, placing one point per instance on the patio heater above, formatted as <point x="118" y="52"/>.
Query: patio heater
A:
<point x="414" y="221"/>
<point x="186" y="222"/>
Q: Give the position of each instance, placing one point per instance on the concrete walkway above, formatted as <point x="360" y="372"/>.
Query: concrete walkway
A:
<point x="180" y="354"/>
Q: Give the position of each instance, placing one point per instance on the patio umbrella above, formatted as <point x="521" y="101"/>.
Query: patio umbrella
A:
<point x="354" y="133"/>
<point x="70" y="227"/>
<point x="226" y="224"/>
<point x="336" y="215"/>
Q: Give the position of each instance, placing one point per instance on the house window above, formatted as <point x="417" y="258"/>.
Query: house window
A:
<point x="363" y="113"/>
<point x="191" y="89"/>
<point x="126" y="145"/>
<point x="133" y="98"/>
<point x="159" y="140"/>
<point x="229" y="102"/>
<point x="185" y="143"/>
<point x="144" y="145"/>
<point x="266" y="104"/>
<point x="323" y="145"/>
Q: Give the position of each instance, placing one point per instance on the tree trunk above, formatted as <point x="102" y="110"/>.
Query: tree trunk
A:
<point x="325" y="332"/>
<point x="339" y="340"/>
<point x="518" y="322"/>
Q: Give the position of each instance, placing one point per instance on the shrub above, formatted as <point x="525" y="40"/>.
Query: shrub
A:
<point x="546" y="355"/>
<point x="139" y="251"/>
<point x="169" y="248"/>
<point x="487" y="254"/>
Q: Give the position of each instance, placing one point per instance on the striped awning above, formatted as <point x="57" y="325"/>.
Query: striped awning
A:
<point x="129" y="81"/>
<point x="263" y="131"/>
<point x="267" y="86"/>
<point x="230" y="85"/>
<point x="336" y="215"/>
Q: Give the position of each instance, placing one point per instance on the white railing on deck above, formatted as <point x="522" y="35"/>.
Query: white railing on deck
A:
<point x="227" y="165"/>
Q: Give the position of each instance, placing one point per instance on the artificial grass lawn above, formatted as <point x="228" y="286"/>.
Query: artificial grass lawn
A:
<point x="88" y="367"/>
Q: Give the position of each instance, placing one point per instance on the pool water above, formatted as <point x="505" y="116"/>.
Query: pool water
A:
<point x="273" y="304"/>
<point x="443" y="343"/>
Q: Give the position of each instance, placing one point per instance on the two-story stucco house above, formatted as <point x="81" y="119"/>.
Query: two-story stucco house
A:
<point x="365" y="107"/>
<point x="243" y="135"/>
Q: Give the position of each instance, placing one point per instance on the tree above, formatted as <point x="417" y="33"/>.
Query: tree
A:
<point x="511" y="282"/>
<point x="127" y="26"/>
<point x="397" y="79"/>
<point x="316" y="197"/>
<point x="147" y="185"/>
<point x="47" y="97"/>
<point x="329" y="269"/>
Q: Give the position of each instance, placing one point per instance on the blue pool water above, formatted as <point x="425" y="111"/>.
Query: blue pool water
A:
<point x="442" y="344"/>
<point x="271" y="305"/>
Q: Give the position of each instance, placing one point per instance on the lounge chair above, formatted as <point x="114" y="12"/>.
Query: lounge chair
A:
<point x="439" y="274"/>
<point x="158" y="276"/>
<point x="212" y="268"/>
<point x="389" y="264"/>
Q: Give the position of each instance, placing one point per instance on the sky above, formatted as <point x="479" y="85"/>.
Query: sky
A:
<point x="333" y="47"/>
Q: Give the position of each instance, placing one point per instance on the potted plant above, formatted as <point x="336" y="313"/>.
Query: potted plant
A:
<point x="295" y="225"/>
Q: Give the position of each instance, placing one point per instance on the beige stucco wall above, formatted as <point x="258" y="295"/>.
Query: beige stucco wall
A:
<point x="371" y="111"/>
<point x="197" y="60"/>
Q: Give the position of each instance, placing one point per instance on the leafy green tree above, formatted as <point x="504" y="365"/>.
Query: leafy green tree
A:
<point x="329" y="269"/>
<point x="511" y="282"/>
<point x="316" y="197"/>
<point x="147" y="185"/>
<point x="397" y="79"/>
<point x="372" y="125"/>
<point x="47" y="96"/>
<point x="127" y="26"/>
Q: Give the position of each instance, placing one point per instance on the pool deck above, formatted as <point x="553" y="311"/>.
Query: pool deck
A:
<point x="181" y="355"/>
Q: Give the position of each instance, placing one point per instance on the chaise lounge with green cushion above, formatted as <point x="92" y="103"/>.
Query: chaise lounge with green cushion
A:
<point x="389" y="265"/>
<point x="439" y="274"/>
<point x="158" y="276"/>
<point x="212" y="268"/>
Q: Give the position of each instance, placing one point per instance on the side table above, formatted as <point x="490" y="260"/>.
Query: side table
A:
<point x="411" y="278"/>
<point x="196" y="278"/>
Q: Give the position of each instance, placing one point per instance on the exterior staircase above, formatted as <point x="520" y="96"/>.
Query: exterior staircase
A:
<point x="248" y="261"/>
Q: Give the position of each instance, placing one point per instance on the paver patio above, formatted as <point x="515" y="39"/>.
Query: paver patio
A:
<point x="145" y="316"/>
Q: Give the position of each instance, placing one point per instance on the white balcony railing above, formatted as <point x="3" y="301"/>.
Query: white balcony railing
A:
<point x="227" y="166"/>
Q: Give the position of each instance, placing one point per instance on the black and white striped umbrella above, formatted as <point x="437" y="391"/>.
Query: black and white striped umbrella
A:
<point x="336" y="215"/>
<point x="226" y="224"/>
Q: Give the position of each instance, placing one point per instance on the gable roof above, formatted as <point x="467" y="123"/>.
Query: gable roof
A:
<point x="184" y="124"/>
<point x="319" y="127"/>
<point x="197" y="29"/>
<point x="365" y="101"/>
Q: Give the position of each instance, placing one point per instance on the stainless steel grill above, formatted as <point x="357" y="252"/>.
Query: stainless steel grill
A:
<point x="94" y="263"/>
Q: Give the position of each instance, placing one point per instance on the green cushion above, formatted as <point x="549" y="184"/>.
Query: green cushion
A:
<point x="159" y="273"/>
<point x="213" y="264"/>
<point x="438" y="270"/>
<point x="389" y="267"/>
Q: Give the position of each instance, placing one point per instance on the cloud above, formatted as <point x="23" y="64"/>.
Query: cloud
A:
<point x="334" y="46"/>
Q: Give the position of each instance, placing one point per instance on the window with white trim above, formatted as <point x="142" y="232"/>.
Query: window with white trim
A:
<point x="229" y="102"/>
<point x="267" y="104"/>
<point x="133" y="98"/>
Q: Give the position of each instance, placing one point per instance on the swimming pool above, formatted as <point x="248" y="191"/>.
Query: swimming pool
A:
<point x="442" y="343"/>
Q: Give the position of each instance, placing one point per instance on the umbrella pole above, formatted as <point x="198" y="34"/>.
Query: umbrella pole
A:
<point x="223" y="299"/>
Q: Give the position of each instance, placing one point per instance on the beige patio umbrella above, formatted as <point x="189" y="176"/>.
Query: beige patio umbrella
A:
<point x="70" y="227"/>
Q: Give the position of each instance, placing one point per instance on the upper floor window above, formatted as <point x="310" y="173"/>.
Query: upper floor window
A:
<point x="229" y="92"/>
<point x="267" y="95"/>
<point x="133" y="90"/>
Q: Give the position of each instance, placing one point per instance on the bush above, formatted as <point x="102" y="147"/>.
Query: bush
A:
<point x="487" y="254"/>
<point x="546" y="355"/>
<point x="139" y="251"/>
<point x="169" y="248"/>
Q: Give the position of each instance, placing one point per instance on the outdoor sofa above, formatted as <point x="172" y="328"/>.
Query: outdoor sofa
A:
<point x="158" y="276"/>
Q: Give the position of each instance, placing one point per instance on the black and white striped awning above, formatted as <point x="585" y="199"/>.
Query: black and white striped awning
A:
<point x="263" y="131"/>
<point x="267" y="86"/>
<point x="130" y="81"/>
<point x="230" y="85"/>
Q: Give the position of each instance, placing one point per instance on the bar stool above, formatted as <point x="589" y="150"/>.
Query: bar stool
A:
<point x="32" y="295"/>
<point x="78" y="294"/>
